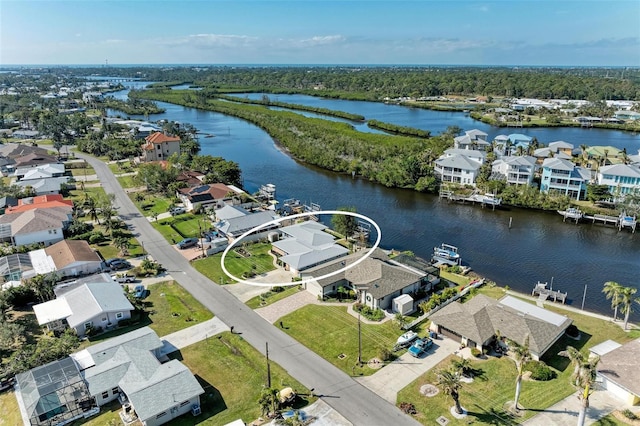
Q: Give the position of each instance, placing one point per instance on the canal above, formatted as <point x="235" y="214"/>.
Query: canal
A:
<point x="538" y="245"/>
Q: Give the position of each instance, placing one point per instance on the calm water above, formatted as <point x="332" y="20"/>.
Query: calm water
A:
<point x="538" y="246"/>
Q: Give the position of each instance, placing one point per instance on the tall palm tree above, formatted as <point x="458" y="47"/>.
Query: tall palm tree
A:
<point x="612" y="290"/>
<point x="521" y="355"/>
<point x="585" y="381"/>
<point x="576" y="358"/>
<point x="450" y="384"/>
<point x="626" y="300"/>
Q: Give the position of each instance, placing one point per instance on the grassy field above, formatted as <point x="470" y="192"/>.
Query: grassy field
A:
<point x="9" y="409"/>
<point x="173" y="308"/>
<point x="485" y="399"/>
<point x="330" y="331"/>
<point x="127" y="181"/>
<point x="236" y="264"/>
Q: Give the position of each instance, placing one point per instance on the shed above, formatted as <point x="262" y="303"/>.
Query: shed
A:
<point x="403" y="304"/>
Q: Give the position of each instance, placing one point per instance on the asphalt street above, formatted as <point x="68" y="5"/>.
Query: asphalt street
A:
<point x="355" y="402"/>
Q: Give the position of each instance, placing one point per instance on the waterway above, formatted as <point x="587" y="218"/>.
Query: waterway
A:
<point x="538" y="245"/>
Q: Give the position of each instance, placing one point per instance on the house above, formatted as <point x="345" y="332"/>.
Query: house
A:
<point x="605" y="155"/>
<point x="67" y="258"/>
<point x="25" y="134"/>
<point x="472" y="139"/>
<point x="46" y="186"/>
<point x="125" y="368"/>
<point x="159" y="146"/>
<point x="306" y="245"/>
<point x="40" y="202"/>
<point x="564" y="177"/>
<point x="622" y="179"/>
<point x="209" y="195"/>
<point x="627" y="115"/>
<point x="378" y="280"/>
<point x="518" y="140"/>
<point x="459" y="166"/>
<point x="502" y="144"/>
<point x="233" y="226"/>
<point x="518" y="170"/>
<point x="191" y="178"/>
<point x="40" y="225"/>
<point x="48" y="170"/>
<point x="34" y="160"/>
<point x="91" y="306"/>
<point x="476" y="323"/>
<point x="561" y="146"/>
<point x="619" y="372"/>
<point x="53" y="393"/>
<point x="6" y="202"/>
<point x="15" y="150"/>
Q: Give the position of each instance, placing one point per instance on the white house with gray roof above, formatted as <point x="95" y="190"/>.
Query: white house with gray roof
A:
<point x="516" y="170"/>
<point x="459" y="166"/>
<point x="472" y="139"/>
<point x="89" y="306"/>
<point x="476" y="323"/>
<point x="305" y="245"/>
<point x="622" y="179"/>
<point x="618" y="370"/>
<point x="35" y="226"/>
<point x="233" y="226"/>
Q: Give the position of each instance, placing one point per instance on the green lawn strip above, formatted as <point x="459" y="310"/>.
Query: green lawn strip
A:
<point x="169" y="234"/>
<point x="210" y="268"/>
<point x="77" y="195"/>
<point x="271" y="297"/>
<point x="173" y="308"/>
<point x="459" y="280"/>
<point x="9" y="409"/>
<point x="232" y="374"/>
<point x="191" y="225"/>
<point x="608" y="420"/>
<point x="330" y="331"/>
<point x="86" y="171"/>
<point x="150" y="204"/>
<point x="121" y="167"/>
<point x="127" y="181"/>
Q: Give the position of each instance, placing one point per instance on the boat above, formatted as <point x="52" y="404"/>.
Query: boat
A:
<point x="447" y="254"/>
<point x="491" y="200"/>
<point x="407" y="338"/>
<point x="571" y="213"/>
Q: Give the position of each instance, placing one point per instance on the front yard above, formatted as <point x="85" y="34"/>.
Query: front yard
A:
<point x="259" y="261"/>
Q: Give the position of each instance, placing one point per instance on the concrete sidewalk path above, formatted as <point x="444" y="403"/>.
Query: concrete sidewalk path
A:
<point x="565" y="412"/>
<point x="395" y="376"/>
<point x="188" y="336"/>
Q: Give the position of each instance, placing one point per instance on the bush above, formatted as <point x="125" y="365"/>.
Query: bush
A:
<point x="629" y="414"/>
<point x="540" y="371"/>
<point x="572" y="331"/>
<point x="384" y="354"/>
<point x="408" y="408"/>
<point x="277" y="289"/>
<point x="476" y="352"/>
<point x="124" y="322"/>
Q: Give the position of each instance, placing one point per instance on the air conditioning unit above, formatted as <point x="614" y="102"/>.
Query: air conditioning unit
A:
<point x="195" y="409"/>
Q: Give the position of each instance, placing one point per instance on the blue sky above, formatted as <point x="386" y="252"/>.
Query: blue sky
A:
<point x="506" y="32"/>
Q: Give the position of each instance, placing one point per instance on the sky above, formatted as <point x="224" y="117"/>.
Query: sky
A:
<point x="385" y="32"/>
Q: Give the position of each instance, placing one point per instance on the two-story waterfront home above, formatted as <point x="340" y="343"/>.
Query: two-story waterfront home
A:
<point x="159" y="146"/>
<point x="564" y="177"/>
<point x="622" y="179"/>
<point x="472" y="139"/>
<point x="515" y="169"/>
<point x="459" y="166"/>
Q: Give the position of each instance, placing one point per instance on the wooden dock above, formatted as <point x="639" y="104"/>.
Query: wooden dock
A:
<point x="474" y="198"/>
<point x="622" y="221"/>
<point x="544" y="293"/>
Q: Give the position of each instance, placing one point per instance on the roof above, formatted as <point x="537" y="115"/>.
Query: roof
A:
<point x="628" y="170"/>
<point x="620" y="366"/>
<point x="41" y="202"/>
<point x="458" y="162"/>
<point x="44" y="185"/>
<point x="35" y="158"/>
<point x="213" y="191"/>
<point x="558" y="164"/>
<point x="604" y="347"/>
<point x="519" y="137"/>
<point x="45" y="170"/>
<point x="472" y="153"/>
<point x="480" y="318"/>
<point x="53" y="310"/>
<point x="13" y="150"/>
<point x="143" y="338"/>
<point x="241" y="224"/>
<point x="159" y="137"/>
<point x="560" y="145"/>
<point x="36" y="220"/>
<point x="517" y="160"/>
<point x="306" y="245"/>
<point x="229" y="212"/>
<point x="66" y="252"/>
<point x="86" y="302"/>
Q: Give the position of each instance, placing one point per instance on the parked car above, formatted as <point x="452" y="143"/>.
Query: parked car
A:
<point x="177" y="210"/>
<point x="187" y="242"/>
<point x="420" y="346"/>
<point x="124" y="278"/>
<point x="139" y="292"/>
<point x="119" y="264"/>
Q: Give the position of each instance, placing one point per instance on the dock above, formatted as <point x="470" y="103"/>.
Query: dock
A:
<point x="544" y="293"/>
<point x="622" y="221"/>
<point x="475" y="197"/>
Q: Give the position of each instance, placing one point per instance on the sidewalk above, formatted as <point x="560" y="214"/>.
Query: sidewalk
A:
<point x="566" y="411"/>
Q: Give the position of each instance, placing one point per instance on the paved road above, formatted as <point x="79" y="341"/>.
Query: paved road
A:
<point x="355" y="402"/>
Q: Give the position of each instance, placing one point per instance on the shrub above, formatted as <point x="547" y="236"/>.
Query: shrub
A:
<point x="277" y="289"/>
<point x="539" y="371"/>
<point x="384" y="354"/>
<point x="572" y="331"/>
<point x="629" y="414"/>
<point x="408" y="408"/>
<point x="476" y="352"/>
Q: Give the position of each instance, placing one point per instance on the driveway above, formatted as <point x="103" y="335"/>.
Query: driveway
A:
<point x="285" y="306"/>
<point x="395" y="376"/>
<point x="188" y="336"/>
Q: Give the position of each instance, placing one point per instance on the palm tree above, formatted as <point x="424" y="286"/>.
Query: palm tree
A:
<point x="577" y="358"/>
<point x="626" y="300"/>
<point x="586" y="379"/>
<point x="268" y="401"/>
<point x="612" y="290"/>
<point x="520" y="355"/>
<point x="462" y="366"/>
<point x="450" y="384"/>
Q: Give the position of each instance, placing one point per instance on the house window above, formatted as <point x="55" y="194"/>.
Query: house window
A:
<point x="164" y="413"/>
<point x="119" y="315"/>
<point x="183" y="403"/>
<point x="104" y="319"/>
<point x="55" y="231"/>
<point x="115" y="391"/>
<point x="105" y="394"/>
<point x="88" y="325"/>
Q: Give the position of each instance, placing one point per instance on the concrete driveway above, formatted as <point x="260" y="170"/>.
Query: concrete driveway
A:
<point x="188" y="336"/>
<point x="388" y="381"/>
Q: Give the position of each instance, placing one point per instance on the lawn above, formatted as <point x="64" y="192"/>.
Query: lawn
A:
<point x="236" y="264"/>
<point x="485" y="400"/>
<point x="232" y="374"/>
<point x="459" y="280"/>
<point x="77" y="195"/>
<point x="150" y="204"/>
<point x="173" y="308"/>
<point x="121" y="167"/>
<point x="269" y="297"/>
<point x="9" y="409"/>
<point x="330" y="331"/>
<point x="86" y="171"/>
<point x="127" y="181"/>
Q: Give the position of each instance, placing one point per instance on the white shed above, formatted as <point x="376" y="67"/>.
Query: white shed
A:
<point x="403" y="304"/>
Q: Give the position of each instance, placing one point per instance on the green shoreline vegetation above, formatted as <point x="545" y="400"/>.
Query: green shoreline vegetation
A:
<point x="133" y="106"/>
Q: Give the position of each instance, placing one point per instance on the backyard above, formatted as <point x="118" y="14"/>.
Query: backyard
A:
<point x="258" y="261"/>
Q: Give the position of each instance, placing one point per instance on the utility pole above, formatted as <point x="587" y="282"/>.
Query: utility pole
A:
<point x="584" y="296"/>
<point x="268" y="366"/>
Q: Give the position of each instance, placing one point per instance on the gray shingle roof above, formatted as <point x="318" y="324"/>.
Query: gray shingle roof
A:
<point x="241" y="224"/>
<point x="480" y="317"/>
<point x="621" y="366"/>
<point x="90" y="300"/>
<point x="458" y="162"/>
